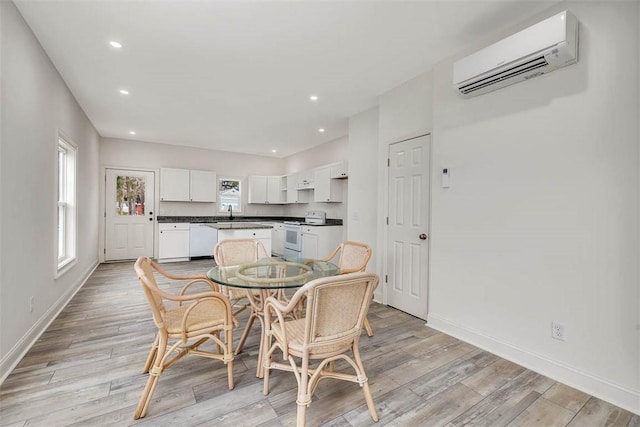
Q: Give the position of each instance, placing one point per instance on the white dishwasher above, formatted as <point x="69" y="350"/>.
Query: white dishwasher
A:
<point x="202" y="239"/>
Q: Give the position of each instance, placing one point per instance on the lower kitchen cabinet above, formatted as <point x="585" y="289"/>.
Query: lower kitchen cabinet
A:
<point x="277" y="238"/>
<point x="262" y="234"/>
<point x="319" y="241"/>
<point x="173" y="244"/>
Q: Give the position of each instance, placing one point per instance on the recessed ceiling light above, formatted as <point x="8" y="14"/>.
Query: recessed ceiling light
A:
<point x="115" y="44"/>
<point x="124" y="91"/>
<point x="321" y="130"/>
<point x="273" y="151"/>
<point x="132" y="132"/>
<point x="313" y="97"/>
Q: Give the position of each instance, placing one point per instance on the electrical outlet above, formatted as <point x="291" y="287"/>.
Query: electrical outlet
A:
<point x="31" y="301"/>
<point x="557" y="331"/>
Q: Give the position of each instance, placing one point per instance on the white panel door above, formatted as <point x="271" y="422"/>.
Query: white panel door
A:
<point x="129" y="202"/>
<point x="407" y="244"/>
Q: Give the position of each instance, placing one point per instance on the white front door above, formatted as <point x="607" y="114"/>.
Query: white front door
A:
<point x="407" y="244"/>
<point x="129" y="205"/>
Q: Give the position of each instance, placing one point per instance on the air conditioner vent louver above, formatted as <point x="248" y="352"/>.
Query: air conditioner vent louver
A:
<point x="504" y="75"/>
<point x="536" y="50"/>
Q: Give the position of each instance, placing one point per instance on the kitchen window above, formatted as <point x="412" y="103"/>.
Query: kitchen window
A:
<point x="229" y="195"/>
<point x="66" y="204"/>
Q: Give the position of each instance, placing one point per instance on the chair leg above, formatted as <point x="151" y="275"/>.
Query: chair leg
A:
<point x="304" y="397"/>
<point x="154" y="376"/>
<point x="365" y="386"/>
<point x="367" y="326"/>
<point x="230" y="374"/>
<point x="152" y="355"/>
<point x="301" y="416"/>
<point x="369" y="399"/>
<point x="266" y="371"/>
<point x="246" y="331"/>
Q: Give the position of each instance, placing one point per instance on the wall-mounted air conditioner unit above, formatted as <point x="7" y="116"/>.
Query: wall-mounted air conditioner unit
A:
<point x="536" y="50"/>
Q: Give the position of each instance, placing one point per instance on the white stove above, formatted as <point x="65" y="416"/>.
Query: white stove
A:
<point x="293" y="232"/>
<point x="312" y="218"/>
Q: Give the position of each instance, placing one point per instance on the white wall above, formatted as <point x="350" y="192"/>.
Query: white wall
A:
<point x="36" y="103"/>
<point x="541" y="222"/>
<point x="362" y="207"/>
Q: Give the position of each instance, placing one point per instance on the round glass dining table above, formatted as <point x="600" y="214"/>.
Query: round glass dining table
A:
<point x="269" y="277"/>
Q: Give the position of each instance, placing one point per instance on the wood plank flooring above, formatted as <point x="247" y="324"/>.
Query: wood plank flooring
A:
<point x="85" y="370"/>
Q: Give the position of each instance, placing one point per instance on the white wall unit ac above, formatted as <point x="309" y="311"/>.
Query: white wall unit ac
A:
<point x="536" y="50"/>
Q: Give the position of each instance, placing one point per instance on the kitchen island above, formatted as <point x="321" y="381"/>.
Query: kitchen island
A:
<point x="244" y="230"/>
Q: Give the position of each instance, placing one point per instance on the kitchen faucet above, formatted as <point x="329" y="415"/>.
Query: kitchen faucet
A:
<point x="230" y="209"/>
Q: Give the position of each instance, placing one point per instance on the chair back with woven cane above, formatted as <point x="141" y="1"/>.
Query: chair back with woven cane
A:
<point x="321" y="335"/>
<point x="184" y="320"/>
<point x="352" y="257"/>
<point x="232" y="252"/>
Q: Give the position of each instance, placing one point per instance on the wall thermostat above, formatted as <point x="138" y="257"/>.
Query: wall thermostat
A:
<point x="446" y="177"/>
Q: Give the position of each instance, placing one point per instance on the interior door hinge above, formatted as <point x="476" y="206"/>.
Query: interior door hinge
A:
<point x="387" y="220"/>
<point x="104" y="251"/>
<point x="386" y="279"/>
<point x="388" y="162"/>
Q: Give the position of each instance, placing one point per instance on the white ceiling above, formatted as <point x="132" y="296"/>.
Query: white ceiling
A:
<point x="237" y="75"/>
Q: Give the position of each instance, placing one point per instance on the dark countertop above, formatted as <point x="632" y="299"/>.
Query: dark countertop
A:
<point x="240" y="225"/>
<point x="238" y="220"/>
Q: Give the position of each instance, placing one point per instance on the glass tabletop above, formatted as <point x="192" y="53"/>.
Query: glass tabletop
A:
<point x="272" y="273"/>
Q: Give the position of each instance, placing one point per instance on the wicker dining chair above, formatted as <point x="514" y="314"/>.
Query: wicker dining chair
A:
<point x="188" y="318"/>
<point x="352" y="257"/>
<point x="232" y="252"/>
<point x="320" y="335"/>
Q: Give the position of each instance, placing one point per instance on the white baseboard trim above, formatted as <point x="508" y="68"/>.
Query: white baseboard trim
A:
<point x="601" y="388"/>
<point x="18" y="351"/>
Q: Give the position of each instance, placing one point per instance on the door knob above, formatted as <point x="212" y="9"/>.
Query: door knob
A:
<point x="150" y="219"/>
<point x="423" y="236"/>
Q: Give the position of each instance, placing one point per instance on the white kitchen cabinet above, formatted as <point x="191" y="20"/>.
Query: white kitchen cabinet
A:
<point x="325" y="188"/>
<point x="293" y="195"/>
<point x="275" y="189"/>
<point x="339" y="170"/>
<point x="306" y="180"/>
<point x="262" y="234"/>
<point x="173" y="244"/>
<point x="266" y="189"/>
<point x="184" y="185"/>
<point x="319" y="241"/>
<point x="277" y="239"/>
<point x="203" y="186"/>
<point x="174" y="185"/>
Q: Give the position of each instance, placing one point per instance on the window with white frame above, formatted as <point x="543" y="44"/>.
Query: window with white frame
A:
<point x="67" y="207"/>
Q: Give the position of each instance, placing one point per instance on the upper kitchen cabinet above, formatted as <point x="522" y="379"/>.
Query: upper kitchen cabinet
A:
<point x="266" y="189"/>
<point x="293" y="195"/>
<point x="174" y="185"/>
<point x="339" y="170"/>
<point x="184" y="185"/>
<point x="306" y="180"/>
<point x="326" y="189"/>
<point x="202" y="186"/>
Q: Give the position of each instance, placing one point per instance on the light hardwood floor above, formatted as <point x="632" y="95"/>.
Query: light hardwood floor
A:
<point x="85" y="370"/>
